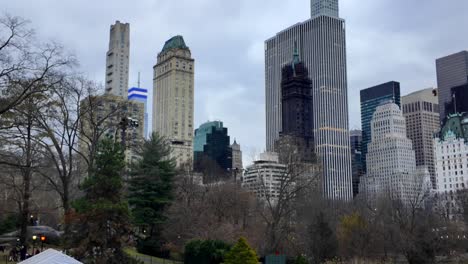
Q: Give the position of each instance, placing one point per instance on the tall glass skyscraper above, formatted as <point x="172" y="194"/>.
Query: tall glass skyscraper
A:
<point x="321" y="45"/>
<point x="371" y="98"/>
<point x="212" y="142"/>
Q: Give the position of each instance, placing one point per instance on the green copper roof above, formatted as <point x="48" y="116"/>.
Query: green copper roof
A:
<point x="176" y="42"/>
<point x="455" y="125"/>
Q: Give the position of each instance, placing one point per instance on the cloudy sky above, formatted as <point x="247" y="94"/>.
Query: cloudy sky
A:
<point x="386" y="40"/>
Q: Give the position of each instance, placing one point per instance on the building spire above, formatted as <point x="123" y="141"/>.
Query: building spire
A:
<point x="295" y="60"/>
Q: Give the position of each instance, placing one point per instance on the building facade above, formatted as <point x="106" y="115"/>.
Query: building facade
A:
<point x="391" y="170"/>
<point x="212" y="147"/>
<point x="459" y="102"/>
<point x="102" y="117"/>
<point x="117" y="60"/>
<point x="371" y="98"/>
<point x="452" y="71"/>
<point x="237" y="167"/>
<point x="421" y="112"/>
<point x="356" y="158"/>
<point x="322" y="49"/>
<point x="451" y="159"/>
<point x="264" y="176"/>
<point x="173" y="98"/>
<point x="140" y="95"/>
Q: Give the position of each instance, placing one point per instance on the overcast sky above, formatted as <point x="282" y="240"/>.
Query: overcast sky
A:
<point x="386" y="40"/>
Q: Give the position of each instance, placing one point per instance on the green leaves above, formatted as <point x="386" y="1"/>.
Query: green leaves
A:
<point x="241" y="253"/>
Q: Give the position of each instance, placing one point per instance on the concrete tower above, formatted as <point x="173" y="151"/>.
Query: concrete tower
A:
<point x="324" y="7"/>
<point x="117" y="60"/>
<point x="173" y="86"/>
<point x="421" y="111"/>
<point x="391" y="162"/>
<point x="322" y="48"/>
<point x="371" y="98"/>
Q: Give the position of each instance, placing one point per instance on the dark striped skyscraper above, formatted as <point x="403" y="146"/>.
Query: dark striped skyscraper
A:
<point x="321" y="45"/>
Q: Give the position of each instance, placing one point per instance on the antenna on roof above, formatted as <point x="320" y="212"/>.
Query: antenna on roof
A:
<point x="139" y="80"/>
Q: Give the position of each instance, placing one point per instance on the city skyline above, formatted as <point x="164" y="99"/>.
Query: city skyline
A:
<point x="409" y="57"/>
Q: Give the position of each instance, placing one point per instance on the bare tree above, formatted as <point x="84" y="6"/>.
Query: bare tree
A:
<point x="60" y="124"/>
<point x="25" y="63"/>
<point x="283" y="197"/>
<point x="21" y="154"/>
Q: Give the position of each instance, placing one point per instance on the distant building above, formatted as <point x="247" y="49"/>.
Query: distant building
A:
<point x="459" y="102"/>
<point x="296" y="94"/>
<point x="117" y="60"/>
<point x="321" y="44"/>
<point x="391" y="170"/>
<point x="173" y="98"/>
<point x="421" y="111"/>
<point x="140" y="95"/>
<point x="264" y="177"/>
<point x="452" y="71"/>
<point x="356" y="158"/>
<point x="371" y="98"/>
<point x="236" y="154"/>
<point x="451" y="158"/>
<point x="212" y="150"/>
<point x="102" y="117"/>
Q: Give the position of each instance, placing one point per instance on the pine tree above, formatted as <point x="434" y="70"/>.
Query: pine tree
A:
<point x="150" y="188"/>
<point x="102" y="220"/>
<point x="241" y="253"/>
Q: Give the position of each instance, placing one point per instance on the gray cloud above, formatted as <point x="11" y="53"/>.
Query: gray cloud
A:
<point x="386" y="40"/>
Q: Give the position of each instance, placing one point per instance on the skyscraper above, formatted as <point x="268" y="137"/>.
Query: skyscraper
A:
<point x="452" y="71"/>
<point x="356" y="158"/>
<point x="173" y="88"/>
<point x="371" y="98"/>
<point x="296" y="98"/>
<point x="212" y="148"/>
<point x="421" y="111"/>
<point x="140" y="95"/>
<point x="117" y="60"/>
<point x="391" y="169"/>
<point x="322" y="48"/>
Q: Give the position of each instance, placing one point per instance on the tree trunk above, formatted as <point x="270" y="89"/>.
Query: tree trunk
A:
<point x="27" y="184"/>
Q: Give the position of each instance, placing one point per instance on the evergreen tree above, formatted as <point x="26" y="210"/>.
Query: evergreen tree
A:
<point x="241" y="253"/>
<point x="150" y="189"/>
<point x="102" y="219"/>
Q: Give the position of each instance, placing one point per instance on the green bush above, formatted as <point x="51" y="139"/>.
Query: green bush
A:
<point x="205" y="251"/>
<point x="9" y="224"/>
<point x="241" y="253"/>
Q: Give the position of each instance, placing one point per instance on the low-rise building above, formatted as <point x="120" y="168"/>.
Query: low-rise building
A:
<point x="264" y="177"/>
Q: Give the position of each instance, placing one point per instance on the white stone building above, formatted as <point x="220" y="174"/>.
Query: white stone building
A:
<point x="391" y="164"/>
<point x="264" y="177"/>
<point x="451" y="159"/>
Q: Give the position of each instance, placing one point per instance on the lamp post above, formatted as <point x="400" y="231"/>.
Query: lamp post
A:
<point x="34" y="244"/>
<point x="124" y="124"/>
<point x="43" y="238"/>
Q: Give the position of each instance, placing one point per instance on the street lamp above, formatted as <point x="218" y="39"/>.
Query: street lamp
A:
<point x="43" y="238"/>
<point x="124" y="124"/>
<point x="34" y="243"/>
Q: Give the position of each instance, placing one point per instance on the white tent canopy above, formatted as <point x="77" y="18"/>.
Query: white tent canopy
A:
<point x="51" y="256"/>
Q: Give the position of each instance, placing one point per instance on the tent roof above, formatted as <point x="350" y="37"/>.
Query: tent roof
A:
<point x="51" y="256"/>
